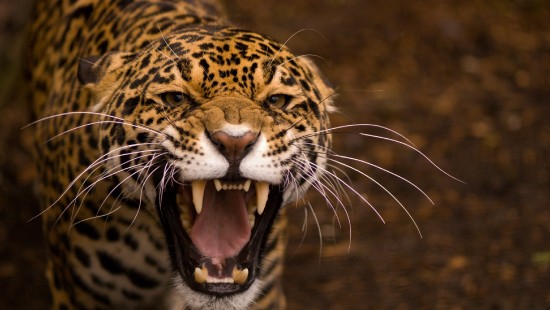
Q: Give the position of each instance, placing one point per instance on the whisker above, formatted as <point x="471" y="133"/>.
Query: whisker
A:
<point x="139" y="171"/>
<point x="340" y="202"/>
<point x="164" y="39"/>
<point x="141" y="193"/>
<point x="382" y="187"/>
<point x="389" y="172"/>
<point x="320" y="187"/>
<point x="87" y="61"/>
<point x="156" y="48"/>
<point x="161" y="187"/>
<point x="356" y="193"/>
<point x="330" y="130"/>
<point x="104" y="176"/>
<point x="121" y="120"/>
<point x="337" y="182"/>
<point x="98" y="161"/>
<point x="288" y="40"/>
<point x="306" y="115"/>
<point x="96" y="123"/>
<point x="391" y="140"/>
<point x="332" y="153"/>
<point x="319" y="231"/>
<point x="304" y="233"/>
<point x="300" y="56"/>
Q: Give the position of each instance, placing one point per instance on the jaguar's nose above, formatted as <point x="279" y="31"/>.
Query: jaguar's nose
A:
<point x="234" y="148"/>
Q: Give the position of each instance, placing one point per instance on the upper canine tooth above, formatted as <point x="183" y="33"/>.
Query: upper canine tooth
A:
<point x="246" y="185"/>
<point x="218" y="185"/>
<point x="262" y="191"/>
<point x="197" y="189"/>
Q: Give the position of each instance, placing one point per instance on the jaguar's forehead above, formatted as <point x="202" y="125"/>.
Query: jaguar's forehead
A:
<point x="248" y="46"/>
<point x="227" y="60"/>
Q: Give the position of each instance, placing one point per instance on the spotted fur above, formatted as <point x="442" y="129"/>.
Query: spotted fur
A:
<point x="136" y="100"/>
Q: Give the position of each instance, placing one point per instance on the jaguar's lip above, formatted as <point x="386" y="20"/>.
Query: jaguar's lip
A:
<point x="225" y="258"/>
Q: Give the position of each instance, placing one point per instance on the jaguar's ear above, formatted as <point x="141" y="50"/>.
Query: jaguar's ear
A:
<point x="91" y="69"/>
<point x="323" y="85"/>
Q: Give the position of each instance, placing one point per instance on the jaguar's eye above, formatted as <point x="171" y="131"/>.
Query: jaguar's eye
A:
<point x="278" y="100"/>
<point x="175" y="99"/>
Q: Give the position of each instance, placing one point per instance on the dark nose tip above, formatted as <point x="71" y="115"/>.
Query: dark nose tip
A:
<point x="234" y="148"/>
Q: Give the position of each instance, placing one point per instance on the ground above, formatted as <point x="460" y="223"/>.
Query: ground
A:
<point x="467" y="82"/>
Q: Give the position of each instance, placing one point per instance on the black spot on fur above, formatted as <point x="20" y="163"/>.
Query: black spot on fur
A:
<point x="130" y="241"/>
<point x="105" y="144"/>
<point x="142" y="137"/>
<point x="110" y="263"/>
<point x="124" y="161"/>
<point x="118" y="133"/>
<point x="138" y="82"/>
<point x="123" y="3"/>
<point x="82" y="256"/>
<point x="131" y="295"/>
<point x="141" y="280"/>
<point x="83" y="11"/>
<point x="206" y="46"/>
<point x="305" y="85"/>
<point x="145" y="61"/>
<point x="112" y="234"/>
<point x="77" y="280"/>
<point x="83" y="157"/>
<point x="87" y="230"/>
<point x="150" y="261"/>
<point x="57" y="281"/>
<point x="314" y="107"/>
<point x="204" y="64"/>
<point x="130" y="105"/>
<point x="253" y="67"/>
<point x="99" y="282"/>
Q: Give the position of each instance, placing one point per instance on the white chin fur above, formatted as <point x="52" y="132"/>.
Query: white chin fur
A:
<point x="182" y="296"/>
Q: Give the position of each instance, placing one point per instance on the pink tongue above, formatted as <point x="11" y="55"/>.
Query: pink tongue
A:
<point x="222" y="229"/>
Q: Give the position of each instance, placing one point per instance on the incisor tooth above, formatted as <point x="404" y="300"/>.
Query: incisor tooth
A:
<point x="218" y="185"/>
<point x="262" y="191"/>
<point x="240" y="276"/>
<point x="201" y="274"/>
<point x="197" y="188"/>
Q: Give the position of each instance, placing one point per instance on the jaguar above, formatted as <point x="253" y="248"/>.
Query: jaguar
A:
<point x="168" y="143"/>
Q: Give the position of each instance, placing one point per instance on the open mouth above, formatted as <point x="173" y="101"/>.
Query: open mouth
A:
<point x="217" y="230"/>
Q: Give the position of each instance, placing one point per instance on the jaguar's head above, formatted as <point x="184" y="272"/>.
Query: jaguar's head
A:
<point x="215" y="131"/>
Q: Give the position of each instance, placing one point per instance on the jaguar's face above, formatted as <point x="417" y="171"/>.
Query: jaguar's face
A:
<point x="216" y="132"/>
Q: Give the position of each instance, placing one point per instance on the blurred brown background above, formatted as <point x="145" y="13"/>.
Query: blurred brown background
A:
<point x="467" y="81"/>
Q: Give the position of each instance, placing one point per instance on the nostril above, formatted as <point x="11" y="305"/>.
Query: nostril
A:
<point x="249" y="146"/>
<point x="234" y="148"/>
<point x="218" y="145"/>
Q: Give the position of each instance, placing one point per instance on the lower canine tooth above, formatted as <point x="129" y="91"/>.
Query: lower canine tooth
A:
<point x="201" y="275"/>
<point x="262" y="192"/>
<point x="240" y="276"/>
